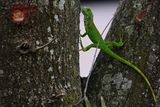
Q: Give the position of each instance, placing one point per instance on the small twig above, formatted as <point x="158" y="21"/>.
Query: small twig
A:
<point x="40" y="47"/>
<point x="92" y="66"/>
<point x="94" y="59"/>
<point x="26" y="47"/>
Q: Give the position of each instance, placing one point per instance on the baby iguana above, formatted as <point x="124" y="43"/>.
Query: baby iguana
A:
<point x="106" y="46"/>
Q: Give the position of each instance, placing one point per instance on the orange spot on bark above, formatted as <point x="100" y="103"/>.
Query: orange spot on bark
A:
<point x="21" y="12"/>
<point x="140" y="16"/>
<point x="18" y="16"/>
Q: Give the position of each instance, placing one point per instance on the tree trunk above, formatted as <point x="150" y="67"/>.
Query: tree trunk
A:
<point x="137" y="23"/>
<point x="47" y="77"/>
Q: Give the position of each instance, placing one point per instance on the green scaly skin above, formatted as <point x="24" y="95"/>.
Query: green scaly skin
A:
<point x="106" y="46"/>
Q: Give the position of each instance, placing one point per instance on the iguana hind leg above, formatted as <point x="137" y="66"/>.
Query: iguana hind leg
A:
<point x="112" y="44"/>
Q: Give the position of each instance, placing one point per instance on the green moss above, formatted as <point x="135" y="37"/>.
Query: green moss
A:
<point x="70" y="98"/>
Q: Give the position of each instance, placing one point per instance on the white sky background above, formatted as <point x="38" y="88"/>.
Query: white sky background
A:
<point x="103" y="12"/>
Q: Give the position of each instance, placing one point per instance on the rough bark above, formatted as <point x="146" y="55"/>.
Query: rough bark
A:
<point x="48" y="77"/>
<point x="120" y="85"/>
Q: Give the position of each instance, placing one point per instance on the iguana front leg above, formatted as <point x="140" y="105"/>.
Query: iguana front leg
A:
<point x="88" y="47"/>
<point x="83" y="35"/>
<point x="109" y="43"/>
<point x="84" y="49"/>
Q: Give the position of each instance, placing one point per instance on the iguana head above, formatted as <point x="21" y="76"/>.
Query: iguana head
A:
<point x="87" y="12"/>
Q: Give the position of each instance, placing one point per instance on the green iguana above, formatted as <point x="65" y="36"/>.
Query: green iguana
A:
<point x="106" y="46"/>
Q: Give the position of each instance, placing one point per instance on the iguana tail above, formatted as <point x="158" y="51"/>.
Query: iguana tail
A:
<point x="115" y="56"/>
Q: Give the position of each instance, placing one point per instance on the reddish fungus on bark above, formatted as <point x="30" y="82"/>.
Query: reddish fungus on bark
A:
<point x="20" y="12"/>
<point x="140" y="16"/>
